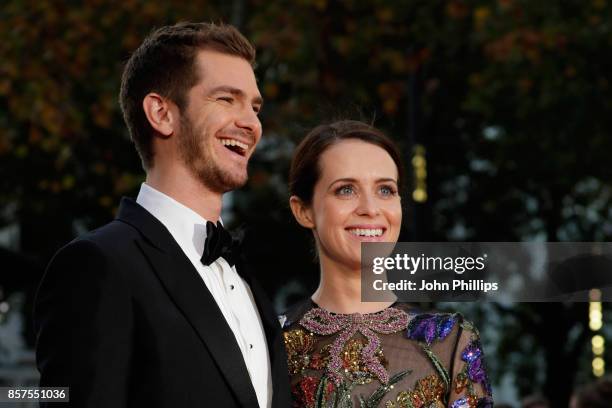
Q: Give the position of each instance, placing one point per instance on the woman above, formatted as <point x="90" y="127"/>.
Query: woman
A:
<point x="342" y="352"/>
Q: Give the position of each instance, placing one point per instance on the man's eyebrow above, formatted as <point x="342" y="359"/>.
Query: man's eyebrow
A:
<point x="236" y="92"/>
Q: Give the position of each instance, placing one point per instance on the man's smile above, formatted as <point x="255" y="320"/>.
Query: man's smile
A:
<point x="235" y="146"/>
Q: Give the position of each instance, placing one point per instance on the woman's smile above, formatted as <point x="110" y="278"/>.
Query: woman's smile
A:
<point x="367" y="233"/>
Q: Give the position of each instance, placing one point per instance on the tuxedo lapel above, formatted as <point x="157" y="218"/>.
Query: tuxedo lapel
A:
<point x="192" y="297"/>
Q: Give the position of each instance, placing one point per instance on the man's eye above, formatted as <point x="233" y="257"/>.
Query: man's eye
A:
<point x="345" y="190"/>
<point x="227" y="99"/>
<point x="256" y="109"/>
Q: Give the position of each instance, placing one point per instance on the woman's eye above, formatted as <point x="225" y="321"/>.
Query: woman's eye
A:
<point x="345" y="190"/>
<point x="387" y="191"/>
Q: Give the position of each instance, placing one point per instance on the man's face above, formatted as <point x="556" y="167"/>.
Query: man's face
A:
<point x="219" y="127"/>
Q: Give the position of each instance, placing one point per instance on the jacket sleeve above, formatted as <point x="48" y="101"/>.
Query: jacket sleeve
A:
<point x="83" y="321"/>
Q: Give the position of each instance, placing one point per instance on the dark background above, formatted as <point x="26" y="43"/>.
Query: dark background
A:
<point x="510" y="100"/>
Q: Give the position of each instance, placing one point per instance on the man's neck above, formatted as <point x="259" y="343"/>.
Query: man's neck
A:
<point x="184" y="188"/>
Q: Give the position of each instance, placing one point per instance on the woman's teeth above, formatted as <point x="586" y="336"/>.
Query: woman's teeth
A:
<point x="362" y="232"/>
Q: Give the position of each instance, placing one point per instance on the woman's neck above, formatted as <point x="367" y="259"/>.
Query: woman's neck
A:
<point x="339" y="291"/>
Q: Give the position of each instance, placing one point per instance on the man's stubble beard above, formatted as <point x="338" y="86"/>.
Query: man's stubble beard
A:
<point x="200" y="162"/>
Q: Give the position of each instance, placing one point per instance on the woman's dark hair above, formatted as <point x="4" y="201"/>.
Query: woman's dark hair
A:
<point x="305" y="170"/>
<point x="595" y="395"/>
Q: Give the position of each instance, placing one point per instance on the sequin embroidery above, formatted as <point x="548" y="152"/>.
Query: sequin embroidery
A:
<point x="428" y="392"/>
<point x="298" y="345"/>
<point x="322" y="322"/>
<point x="430" y="327"/>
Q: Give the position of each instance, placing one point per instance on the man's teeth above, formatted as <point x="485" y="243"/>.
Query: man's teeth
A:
<point x="362" y="232"/>
<point x="232" y="142"/>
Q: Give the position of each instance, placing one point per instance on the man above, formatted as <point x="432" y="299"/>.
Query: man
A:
<point x="150" y="310"/>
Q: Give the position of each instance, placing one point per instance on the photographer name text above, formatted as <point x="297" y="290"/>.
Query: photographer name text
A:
<point x="457" y="284"/>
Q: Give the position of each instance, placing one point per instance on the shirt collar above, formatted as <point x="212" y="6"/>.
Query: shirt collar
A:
<point x="187" y="227"/>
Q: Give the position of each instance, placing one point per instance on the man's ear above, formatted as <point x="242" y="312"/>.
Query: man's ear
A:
<point x="161" y="114"/>
<point x="301" y="212"/>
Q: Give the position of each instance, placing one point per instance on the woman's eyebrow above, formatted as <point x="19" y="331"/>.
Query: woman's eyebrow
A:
<point x="344" y="179"/>
<point x="387" y="179"/>
<point x="352" y="180"/>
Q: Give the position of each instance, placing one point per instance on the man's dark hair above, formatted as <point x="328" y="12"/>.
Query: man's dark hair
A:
<point x="165" y="63"/>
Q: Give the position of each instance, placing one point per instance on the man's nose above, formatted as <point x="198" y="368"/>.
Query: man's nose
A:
<point x="249" y="120"/>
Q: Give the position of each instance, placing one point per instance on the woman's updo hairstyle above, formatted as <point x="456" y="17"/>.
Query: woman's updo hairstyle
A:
<point x="305" y="170"/>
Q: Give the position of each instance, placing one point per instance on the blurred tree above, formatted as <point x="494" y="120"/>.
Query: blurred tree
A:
<point x="510" y="98"/>
<point x="66" y="157"/>
<point x="537" y="115"/>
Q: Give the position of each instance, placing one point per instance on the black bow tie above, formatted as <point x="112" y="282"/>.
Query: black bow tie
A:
<point x="219" y="243"/>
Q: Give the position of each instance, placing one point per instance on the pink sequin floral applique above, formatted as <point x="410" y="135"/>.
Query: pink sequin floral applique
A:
<point x="322" y="322"/>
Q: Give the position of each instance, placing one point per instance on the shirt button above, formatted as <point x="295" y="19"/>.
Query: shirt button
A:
<point x="250" y="346"/>
<point x="232" y="287"/>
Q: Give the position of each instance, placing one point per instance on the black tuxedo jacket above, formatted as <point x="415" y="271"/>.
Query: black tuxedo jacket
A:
<point x="124" y="320"/>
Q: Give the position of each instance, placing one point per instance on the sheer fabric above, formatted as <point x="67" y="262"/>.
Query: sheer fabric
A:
<point x="395" y="358"/>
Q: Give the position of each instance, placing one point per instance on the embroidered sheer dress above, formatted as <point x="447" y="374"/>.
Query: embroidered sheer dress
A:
<point x="396" y="358"/>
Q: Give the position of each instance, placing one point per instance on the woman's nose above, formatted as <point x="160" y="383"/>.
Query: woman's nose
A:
<point x="368" y="206"/>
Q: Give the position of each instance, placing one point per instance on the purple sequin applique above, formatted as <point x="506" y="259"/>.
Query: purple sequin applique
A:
<point x="472" y="355"/>
<point x="430" y="327"/>
<point x="461" y="403"/>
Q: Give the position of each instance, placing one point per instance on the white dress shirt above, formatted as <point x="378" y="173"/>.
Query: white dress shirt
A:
<point x="230" y="291"/>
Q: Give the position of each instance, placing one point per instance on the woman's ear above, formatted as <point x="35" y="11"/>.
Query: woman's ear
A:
<point x="301" y="212"/>
<point x="160" y="114"/>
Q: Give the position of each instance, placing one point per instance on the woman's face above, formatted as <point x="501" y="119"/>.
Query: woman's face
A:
<point x="355" y="200"/>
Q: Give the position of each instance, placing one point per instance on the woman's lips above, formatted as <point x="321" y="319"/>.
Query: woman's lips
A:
<point x="367" y="233"/>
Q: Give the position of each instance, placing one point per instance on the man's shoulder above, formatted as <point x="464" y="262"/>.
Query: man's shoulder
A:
<point x="113" y="233"/>
<point x="120" y="230"/>
<point x="105" y="251"/>
<point x="97" y="244"/>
